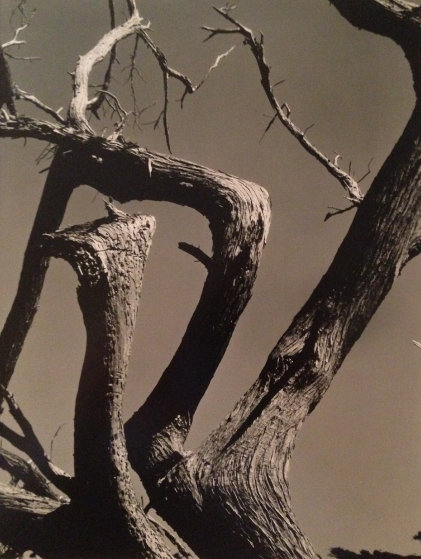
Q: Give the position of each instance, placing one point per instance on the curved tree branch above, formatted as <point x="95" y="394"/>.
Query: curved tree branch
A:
<point x="239" y="217"/>
<point x="80" y="101"/>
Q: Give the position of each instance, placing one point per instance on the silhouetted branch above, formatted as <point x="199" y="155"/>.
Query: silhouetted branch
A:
<point x="30" y="444"/>
<point x="197" y="253"/>
<point x="282" y="110"/>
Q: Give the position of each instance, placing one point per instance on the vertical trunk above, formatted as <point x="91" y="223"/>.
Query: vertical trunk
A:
<point x="108" y="256"/>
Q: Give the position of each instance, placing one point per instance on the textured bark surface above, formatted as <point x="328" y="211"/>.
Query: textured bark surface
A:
<point x="104" y="516"/>
<point x="234" y="490"/>
<point x="230" y="498"/>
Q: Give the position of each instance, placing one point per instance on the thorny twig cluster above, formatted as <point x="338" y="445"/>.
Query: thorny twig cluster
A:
<point x="282" y="111"/>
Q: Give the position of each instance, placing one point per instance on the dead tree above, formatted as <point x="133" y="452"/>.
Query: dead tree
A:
<point x="230" y="497"/>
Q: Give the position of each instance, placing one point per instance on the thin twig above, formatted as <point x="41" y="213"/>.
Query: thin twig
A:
<point x="338" y="211"/>
<point x="15" y="40"/>
<point x="283" y="110"/>
<point x="59" y="428"/>
<point x="25" y="58"/>
<point x="367" y="172"/>
<point x="266" y="130"/>
<point x="30" y="444"/>
<point x="197" y="253"/>
<point x="20" y="94"/>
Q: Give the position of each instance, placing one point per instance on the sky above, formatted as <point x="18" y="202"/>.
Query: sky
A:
<point x="356" y="470"/>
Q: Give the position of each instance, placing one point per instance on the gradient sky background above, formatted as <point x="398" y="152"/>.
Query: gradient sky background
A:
<point x="356" y="471"/>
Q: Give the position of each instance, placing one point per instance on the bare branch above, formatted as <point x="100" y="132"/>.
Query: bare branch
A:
<point x="15" y="41"/>
<point x="26" y="472"/>
<point x="215" y="31"/>
<point x="283" y="111"/>
<point x="197" y="253"/>
<point x="116" y="107"/>
<point x="268" y="127"/>
<point x="368" y="171"/>
<point x="95" y="104"/>
<point x="59" y="428"/>
<point x="339" y="211"/>
<point x="20" y="94"/>
<point x="27" y="58"/>
<point x="214" y="66"/>
<point x="31" y="445"/>
<point x="169" y="72"/>
<point x="80" y="101"/>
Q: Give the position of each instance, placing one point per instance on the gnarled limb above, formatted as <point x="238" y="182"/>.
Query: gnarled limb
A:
<point x="233" y="491"/>
<point x="28" y="474"/>
<point x="108" y="256"/>
<point x="239" y="217"/>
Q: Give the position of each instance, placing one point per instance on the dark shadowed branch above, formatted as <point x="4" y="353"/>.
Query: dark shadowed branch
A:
<point x="29" y="443"/>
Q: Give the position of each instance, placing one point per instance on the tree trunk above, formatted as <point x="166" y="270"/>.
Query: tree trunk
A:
<point x="104" y="518"/>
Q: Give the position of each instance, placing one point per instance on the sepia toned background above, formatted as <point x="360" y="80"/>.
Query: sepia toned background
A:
<point x="356" y="470"/>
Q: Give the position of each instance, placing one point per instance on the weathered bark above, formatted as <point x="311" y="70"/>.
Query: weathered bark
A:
<point x="28" y="474"/>
<point x="104" y="516"/>
<point x="21" y="512"/>
<point x="230" y="498"/>
<point x="233" y="491"/>
<point x="238" y="212"/>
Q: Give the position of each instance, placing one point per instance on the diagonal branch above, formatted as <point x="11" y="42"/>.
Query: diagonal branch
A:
<point x="15" y="41"/>
<point x="20" y="94"/>
<point x="26" y="472"/>
<point x="197" y="253"/>
<point x="30" y="444"/>
<point x="57" y="190"/>
<point x="283" y="111"/>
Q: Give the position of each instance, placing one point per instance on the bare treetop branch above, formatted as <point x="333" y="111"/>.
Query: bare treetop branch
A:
<point x="80" y="101"/>
<point x="15" y="41"/>
<point x="283" y="111"/>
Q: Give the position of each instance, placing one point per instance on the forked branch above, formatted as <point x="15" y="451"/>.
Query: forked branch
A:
<point x="80" y="101"/>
